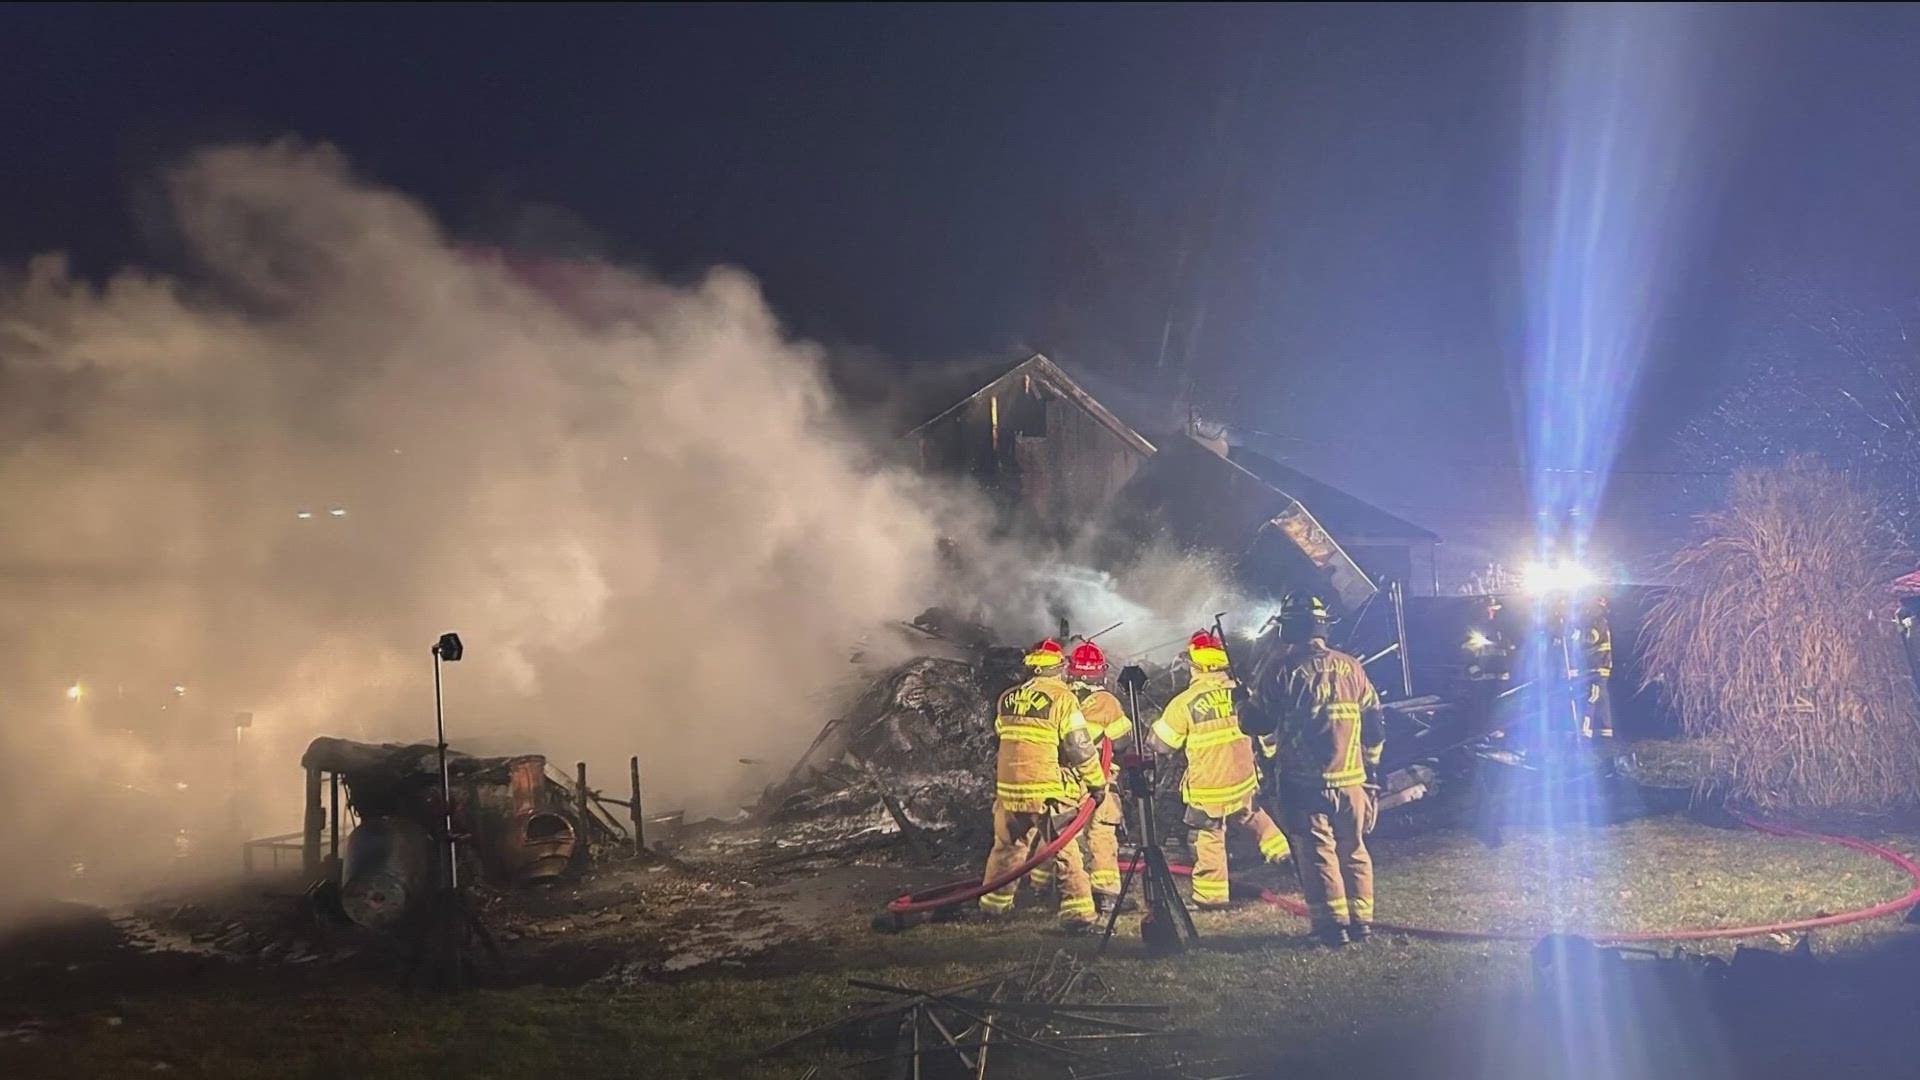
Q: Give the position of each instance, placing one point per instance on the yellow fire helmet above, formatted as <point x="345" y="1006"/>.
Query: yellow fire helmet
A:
<point x="1206" y="652"/>
<point x="1046" y="656"/>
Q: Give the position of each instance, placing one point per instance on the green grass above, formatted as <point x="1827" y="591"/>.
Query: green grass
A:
<point x="1644" y="875"/>
<point x="1256" y="992"/>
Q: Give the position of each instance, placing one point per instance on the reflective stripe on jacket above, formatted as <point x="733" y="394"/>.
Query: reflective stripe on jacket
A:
<point x="1107" y="721"/>
<point x="1046" y="752"/>
<point x="1328" y="725"/>
<point x="1203" y="720"/>
<point x="1596" y="649"/>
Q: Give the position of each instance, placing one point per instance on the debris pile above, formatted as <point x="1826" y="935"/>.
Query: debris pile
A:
<point x="1053" y="1010"/>
<point x="911" y="755"/>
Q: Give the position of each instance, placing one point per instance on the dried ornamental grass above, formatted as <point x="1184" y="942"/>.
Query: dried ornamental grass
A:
<point x="1779" y="650"/>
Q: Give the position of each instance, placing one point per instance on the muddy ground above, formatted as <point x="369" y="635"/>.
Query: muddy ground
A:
<point x="623" y="921"/>
<point x="738" y="938"/>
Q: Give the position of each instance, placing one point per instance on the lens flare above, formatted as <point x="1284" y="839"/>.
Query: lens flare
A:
<point x="1607" y="175"/>
<point x="1609" y="166"/>
<point x="1542" y="579"/>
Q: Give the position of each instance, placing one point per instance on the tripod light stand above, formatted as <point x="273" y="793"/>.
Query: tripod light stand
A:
<point x="1165" y="924"/>
<point x="450" y="928"/>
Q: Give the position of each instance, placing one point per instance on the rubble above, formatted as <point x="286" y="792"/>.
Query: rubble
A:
<point x="1053" y="1009"/>
<point x="908" y="760"/>
<point x="902" y="775"/>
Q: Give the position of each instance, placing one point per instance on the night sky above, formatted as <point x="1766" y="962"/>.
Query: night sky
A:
<point x="1310" y="212"/>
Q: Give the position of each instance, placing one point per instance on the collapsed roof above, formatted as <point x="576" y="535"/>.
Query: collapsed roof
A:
<point x="1202" y="500"/>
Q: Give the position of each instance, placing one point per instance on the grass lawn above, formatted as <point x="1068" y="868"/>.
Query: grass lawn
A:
<point x="1257" y="993"/>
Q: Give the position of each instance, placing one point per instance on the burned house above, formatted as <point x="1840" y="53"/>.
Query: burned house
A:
<point x="1038" y="442"/>
<point x="1387" y="547"/>
<point x="1057" y="457"/>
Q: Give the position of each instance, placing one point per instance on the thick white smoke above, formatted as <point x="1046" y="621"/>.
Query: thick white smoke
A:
<point x="267" y="489"/>
<point x="276" y="487"/>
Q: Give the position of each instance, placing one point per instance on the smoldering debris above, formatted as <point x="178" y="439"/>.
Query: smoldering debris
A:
<point x="905" y="768"/>
<point x="909" y="756"/>
<point x="921" y="739"/>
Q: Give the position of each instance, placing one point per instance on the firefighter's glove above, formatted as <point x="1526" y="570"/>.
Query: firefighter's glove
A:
<point x="1062" y="819"/>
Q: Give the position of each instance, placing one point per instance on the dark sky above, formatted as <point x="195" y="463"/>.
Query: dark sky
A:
<point x="1312" y="210"/>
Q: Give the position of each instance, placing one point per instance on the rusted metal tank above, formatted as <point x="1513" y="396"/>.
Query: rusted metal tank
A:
<point x="387" y="871"/>
<point x="515" y="825"/>
<point x="540" y="842"/>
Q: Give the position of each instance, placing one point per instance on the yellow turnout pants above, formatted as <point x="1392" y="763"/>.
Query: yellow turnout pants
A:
<point x="1017" y="833"/>
<point x="1208" y="835"/>
<point x="1330" y="826"/>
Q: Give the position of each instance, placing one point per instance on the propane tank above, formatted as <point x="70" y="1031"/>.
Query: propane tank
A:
<point x="386" y="871"/>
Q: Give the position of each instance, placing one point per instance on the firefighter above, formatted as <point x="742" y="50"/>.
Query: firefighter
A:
<point x="1488" y="655"/>
<point x="1112" y="732"/>
<point x="1595" y="672"/>
<point x="1046" y="764"/>
<point x="1329" y="732"/>
<point x="1221" y="779"/>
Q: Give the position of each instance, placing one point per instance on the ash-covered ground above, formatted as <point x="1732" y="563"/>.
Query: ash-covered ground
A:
<point x="890" y="798"/>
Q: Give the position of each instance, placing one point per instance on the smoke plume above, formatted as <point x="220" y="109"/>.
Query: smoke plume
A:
<point x="242" y="504"/>
<point x="274" y="488"/>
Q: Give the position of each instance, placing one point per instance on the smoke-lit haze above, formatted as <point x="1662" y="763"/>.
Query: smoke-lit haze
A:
<point x="275" y="485"/>
<point x="644" y="524"/>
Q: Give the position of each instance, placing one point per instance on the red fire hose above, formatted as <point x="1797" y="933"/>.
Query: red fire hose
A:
<point x="959" y="892"/>
<point x="1912" y="869"/>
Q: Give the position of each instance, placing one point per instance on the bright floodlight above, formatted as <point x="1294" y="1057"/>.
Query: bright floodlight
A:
<point x="304" y="515"/>
<point x="1555" y="579"/>
<point x="74" y="692"/>
<point x="1477" y="641"/>
<point x="337" y="512"/>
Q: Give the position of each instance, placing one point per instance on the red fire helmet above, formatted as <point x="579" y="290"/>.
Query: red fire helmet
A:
<point x="1088" y="662"/>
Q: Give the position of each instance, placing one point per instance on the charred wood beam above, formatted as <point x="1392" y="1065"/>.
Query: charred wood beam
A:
<point x="315" y="821"/>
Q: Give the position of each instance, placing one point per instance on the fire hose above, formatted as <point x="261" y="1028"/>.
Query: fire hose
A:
<point x="959" y="892"/>
<point x="1295" y="906"/>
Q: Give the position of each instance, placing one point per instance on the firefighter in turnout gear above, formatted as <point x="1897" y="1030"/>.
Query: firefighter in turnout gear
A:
<point x="1595" y="672"/>
<point x="1046" y="765"/>
<point x="1489" y="657"/>
<point x="1329" y="732"/>
<point x="1112" y="732"/>
<point x="1222" y="779"/>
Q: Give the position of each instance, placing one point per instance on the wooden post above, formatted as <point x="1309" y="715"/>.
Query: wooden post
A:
<point x="333" y="820"/>
<point x="316" y="820"/>
<point x="580" y="795"/>
<point x="633" y="808"/>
